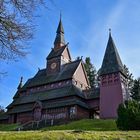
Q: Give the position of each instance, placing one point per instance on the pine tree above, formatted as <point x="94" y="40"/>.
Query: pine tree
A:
<point x="129" y="77"/>
<point x="91" y="72"/>
<point x="136" y="90"/>
<point x="129" y="115"/>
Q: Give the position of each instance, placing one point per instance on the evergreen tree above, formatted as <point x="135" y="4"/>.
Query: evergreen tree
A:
<point x="129" y="116"/>
<point x="91" y="72"/>
<point x="129" y="77"/>
<point x="135" y="93"/>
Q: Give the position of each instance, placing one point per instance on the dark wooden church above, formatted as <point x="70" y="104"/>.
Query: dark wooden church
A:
<point x="61" y="91"/>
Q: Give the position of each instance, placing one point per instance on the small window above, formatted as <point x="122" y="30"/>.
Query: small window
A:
<point x="60" y="83"/>
<point x="52" y="85"/>
<point x="67" y="82"/>
<point x="110" y="76"/>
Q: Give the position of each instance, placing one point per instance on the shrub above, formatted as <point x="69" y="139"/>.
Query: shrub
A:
<point x="129" y="116"/>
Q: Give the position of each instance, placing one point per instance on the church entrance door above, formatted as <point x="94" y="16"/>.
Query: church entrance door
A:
<point x="37" y="114"/>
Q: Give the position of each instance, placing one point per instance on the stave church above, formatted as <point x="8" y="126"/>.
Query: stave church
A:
<point x="62" y="92"/>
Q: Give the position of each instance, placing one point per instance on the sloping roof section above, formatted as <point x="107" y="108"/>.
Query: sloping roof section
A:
<point x="4" y="116"/>
<point x="60" y="34"/>
<point x="58" y="52"/>
<point x="92" y="93"/>
<point x="60" y="28"/>
<point x="50" y="94"/>
<point x="65" y="103"/>
<point x="112" y="61"/>
<point x="21" y="108"/>
<point x="29" y="107"/>
<point x="55" y="53"/>
<point x="41" y="78"/>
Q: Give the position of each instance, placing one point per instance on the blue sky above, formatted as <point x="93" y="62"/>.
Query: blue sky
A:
<point x="86" y="24"/>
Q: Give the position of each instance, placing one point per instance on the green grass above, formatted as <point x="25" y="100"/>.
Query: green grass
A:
<point x="96" y="125"/>
<point x="8" y="127"/>
<point x="70" y="135"/>
<point x="77" y="130"/>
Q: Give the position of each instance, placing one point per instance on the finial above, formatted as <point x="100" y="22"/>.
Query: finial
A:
<point x="60" y="14"/>
<point x="67" y="44"/>
<point x="21" y="79"/>
<point x="20" y="84"/>
<point x="109" y="31"/>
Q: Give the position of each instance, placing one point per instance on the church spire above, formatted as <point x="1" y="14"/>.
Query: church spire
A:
<point x="112" y="61"/>
<point x="59" y="40"/>
<point x="109" y="32"/>
<point x="20" y="84"/>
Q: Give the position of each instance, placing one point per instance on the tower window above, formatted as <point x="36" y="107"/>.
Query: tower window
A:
<point x="52" y="85"/>
<point x="60" y="84"/>
<point x="110" y="76"/>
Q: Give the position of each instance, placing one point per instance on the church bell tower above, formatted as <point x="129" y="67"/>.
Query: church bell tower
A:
<point x="59" y="54"/>
<point x="113" y="86"/>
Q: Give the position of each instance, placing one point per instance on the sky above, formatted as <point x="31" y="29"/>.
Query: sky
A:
<point x="86" y="24"/>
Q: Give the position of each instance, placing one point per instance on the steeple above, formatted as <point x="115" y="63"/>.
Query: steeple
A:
<point x="59" y="40"/>
<point x="20" y="84"/>
<point x="109" y="32"/>
<point x="112" y="61"/>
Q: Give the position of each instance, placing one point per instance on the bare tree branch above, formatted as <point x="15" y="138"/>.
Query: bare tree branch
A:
<point x="16" y="27"/>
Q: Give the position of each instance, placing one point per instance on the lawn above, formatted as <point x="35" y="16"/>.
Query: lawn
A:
<point x="70" y="135"/>
<point x="8" y="127"/>
<point x="87" y="124"/>
<point x="78" y="130"/>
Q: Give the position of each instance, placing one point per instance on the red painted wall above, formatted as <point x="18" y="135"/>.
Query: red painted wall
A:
<point x="110" y="96"/>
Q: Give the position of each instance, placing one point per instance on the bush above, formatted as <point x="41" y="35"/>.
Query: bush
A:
<point x="129" y="116"/>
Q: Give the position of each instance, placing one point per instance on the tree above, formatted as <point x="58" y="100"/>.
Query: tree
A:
<point x="135" y="92"/>
<point x="16" y="27"/>
<point x="129" y="78"/>
<point x="1" y="110"/>
<point x="129" y="115"/>
<point x="91" y="72"/>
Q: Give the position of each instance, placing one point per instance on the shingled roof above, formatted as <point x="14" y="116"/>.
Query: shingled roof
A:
<point x="92" y="93"/>
<point x="47" y="105"/>
<point x="49" y="94"/>
<point x="4" y="116"/>
<point x="60" y="34"/>
<point x="60" y="28"/>
<point x="55" y="53"/>
<point x="25" y="103"/>
<point x="42" y="78"/>
<point x="112" y="61"/>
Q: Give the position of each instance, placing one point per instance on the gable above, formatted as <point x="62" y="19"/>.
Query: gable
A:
<point x="66" y="55"/>
<point x="55" y="53"/>
<point x="80" y="75"/>
<point x="41" y="78"/>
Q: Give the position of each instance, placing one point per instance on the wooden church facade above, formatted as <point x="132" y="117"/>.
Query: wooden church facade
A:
<point x="62" y="91"/>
